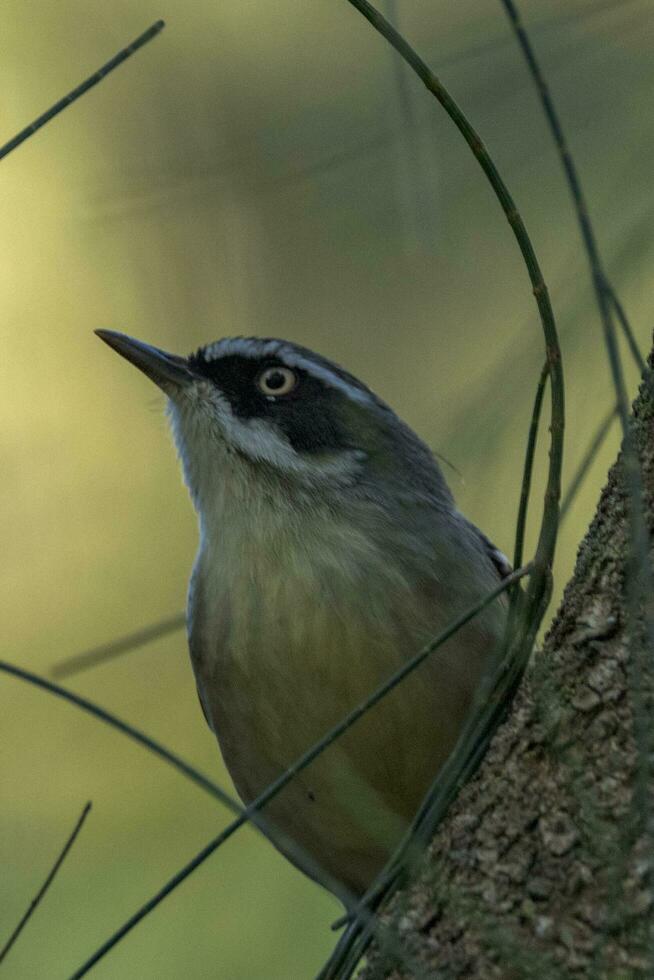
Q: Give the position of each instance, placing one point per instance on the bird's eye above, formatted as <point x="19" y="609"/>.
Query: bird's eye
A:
<point x="277" y="381"/>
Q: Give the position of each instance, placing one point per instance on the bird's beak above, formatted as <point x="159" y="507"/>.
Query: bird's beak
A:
<point x="168" y="371"/>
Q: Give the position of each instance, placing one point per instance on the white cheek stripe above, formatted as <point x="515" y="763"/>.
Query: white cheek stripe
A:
<point x="291" y="358"/>
<point x="202" y="411"/>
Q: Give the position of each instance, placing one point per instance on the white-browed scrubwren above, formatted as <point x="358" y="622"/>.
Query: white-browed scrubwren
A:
<point x="331" y="550"/>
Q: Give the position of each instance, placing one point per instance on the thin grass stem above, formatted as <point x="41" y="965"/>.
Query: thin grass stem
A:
<point x="29" y="912"/>
<point x="581" y="472"/>
<point x="81" y="89"/>
<point x="528" y="468"/>
<point x="105" y="652"/>
<point x="604" y="291"/>
<point x="623" y="321"/>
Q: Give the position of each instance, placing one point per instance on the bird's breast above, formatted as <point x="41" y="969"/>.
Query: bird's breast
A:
<point x="289" y="634"/>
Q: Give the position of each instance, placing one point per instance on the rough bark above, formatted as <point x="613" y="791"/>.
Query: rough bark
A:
<point x="542" y="866"/>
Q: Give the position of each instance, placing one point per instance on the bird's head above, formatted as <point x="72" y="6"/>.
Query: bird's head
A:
<point x="284" y="413"/>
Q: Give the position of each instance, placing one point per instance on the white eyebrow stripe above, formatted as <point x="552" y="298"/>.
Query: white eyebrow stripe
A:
<point x="291" y="358"/>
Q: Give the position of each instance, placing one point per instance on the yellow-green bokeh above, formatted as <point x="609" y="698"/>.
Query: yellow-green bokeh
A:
<point x="260" y="168"/>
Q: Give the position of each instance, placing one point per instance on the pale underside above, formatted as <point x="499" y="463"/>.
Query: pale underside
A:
<point x="289" y="632"/>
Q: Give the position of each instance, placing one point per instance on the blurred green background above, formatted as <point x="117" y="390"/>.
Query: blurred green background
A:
<point x="265" y="168"/>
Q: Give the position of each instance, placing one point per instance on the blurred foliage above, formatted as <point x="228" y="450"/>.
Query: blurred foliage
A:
<point x="268" y="169"/>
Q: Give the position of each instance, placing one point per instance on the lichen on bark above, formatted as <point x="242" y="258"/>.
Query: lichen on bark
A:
<point x="542" y="867"/>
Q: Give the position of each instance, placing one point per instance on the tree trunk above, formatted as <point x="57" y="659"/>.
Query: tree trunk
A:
<point x="542" y="867"/>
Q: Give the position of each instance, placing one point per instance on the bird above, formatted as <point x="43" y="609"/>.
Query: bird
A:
<point x="330" y="551"/>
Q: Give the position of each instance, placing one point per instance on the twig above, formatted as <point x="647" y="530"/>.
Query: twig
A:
<point x="528" y="468"/>
<point x="46" y="884"/>
<point x="108" y="651"/>
<point x="81" y="89"/>
<point x="278" y="785"/>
